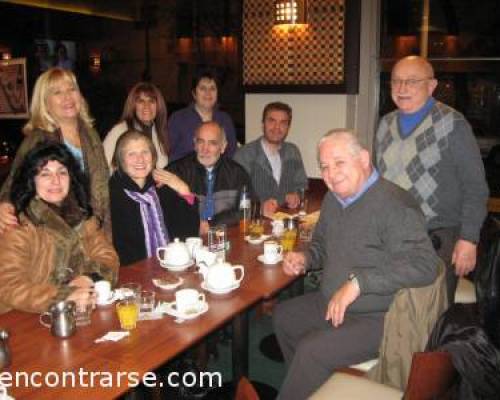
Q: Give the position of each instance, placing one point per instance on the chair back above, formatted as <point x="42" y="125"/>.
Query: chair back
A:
<point x="431" y="376"/>
<point x="245" y="390"/>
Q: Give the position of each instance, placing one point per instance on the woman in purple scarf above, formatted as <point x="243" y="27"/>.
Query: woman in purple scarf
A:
<point x="143" y="216"/>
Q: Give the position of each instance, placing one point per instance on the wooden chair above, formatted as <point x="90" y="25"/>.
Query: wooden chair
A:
<point x="245" y="390"/>
<point x="431" y="377"/>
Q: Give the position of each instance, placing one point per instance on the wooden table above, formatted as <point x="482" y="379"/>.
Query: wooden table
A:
<point x="152" y="343"/>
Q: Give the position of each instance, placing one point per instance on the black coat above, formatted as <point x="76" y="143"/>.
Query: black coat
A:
<point x="181" y="218"/>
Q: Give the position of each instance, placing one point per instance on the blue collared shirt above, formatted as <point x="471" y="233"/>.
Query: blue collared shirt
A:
<point x="367" y="185"/>
<point x="409" y="121"/>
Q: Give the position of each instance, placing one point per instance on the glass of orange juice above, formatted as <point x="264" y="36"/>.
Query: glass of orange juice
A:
<point x="128" y="312"/>
<point x="288" y="239"/>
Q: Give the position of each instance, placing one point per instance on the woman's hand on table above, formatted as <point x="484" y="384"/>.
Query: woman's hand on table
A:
<point x="292" y="200"/>
<point x="269" y="207"/>
<point x="82" y="282"/>
<point x="8" y="217"/>
<point x="82" y="297"/>
<point x="163" y="177"/>
<point x="294" y="263"/>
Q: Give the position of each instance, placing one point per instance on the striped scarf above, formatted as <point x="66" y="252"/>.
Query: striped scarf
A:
<point x="155" y="233"/>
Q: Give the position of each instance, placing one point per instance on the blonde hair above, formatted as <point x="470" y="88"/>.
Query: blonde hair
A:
<point x="40" y="117"/>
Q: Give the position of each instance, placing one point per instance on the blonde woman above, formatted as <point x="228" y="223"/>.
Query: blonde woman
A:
<point x="60" y="114"/>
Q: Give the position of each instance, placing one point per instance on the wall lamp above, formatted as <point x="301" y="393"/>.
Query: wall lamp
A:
<point x="290" y="12"/>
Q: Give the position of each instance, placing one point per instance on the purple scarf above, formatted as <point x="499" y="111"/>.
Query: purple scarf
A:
<point x="155" y="233"/>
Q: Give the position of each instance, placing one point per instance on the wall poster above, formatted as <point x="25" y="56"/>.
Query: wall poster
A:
<point x="13" y="88"/>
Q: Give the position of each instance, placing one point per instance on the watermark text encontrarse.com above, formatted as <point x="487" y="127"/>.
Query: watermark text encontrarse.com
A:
<point x="105" y="379"/>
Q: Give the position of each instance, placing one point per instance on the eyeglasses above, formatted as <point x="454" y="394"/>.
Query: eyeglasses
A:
<point x="409" y="83"/>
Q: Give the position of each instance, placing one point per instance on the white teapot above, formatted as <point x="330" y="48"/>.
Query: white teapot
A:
<point x="221" y="275"/>
<point x="175" y="253"/>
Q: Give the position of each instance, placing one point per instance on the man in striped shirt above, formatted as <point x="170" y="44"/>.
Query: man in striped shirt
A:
<point x="275" y="167"/>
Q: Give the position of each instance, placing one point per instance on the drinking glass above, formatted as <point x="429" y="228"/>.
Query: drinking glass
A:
<point x="288" y="239"/>
<point x="128" y="312"/>
<point x="303" y="203"/>
<point x="131" y="290"/>
<point x="147" y="301"/>
<point x="217" y="238"/>
<point x="82" y="314"/>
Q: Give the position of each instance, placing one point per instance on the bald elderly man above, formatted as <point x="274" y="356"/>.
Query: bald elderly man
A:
<point x="216" y="180"/>
<point x="428" y="148"/>
<point x="370" y="241"/>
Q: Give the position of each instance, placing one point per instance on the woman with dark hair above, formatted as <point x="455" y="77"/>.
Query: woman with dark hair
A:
<point x="59" y="114"/>
<point x="144" y="111"/>
<point x="152" y="216"/>
<point x="183" y="123"/>
<point x="59" y="249"/>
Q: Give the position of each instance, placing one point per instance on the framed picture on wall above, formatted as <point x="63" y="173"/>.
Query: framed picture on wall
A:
<point x="13" y="89"/>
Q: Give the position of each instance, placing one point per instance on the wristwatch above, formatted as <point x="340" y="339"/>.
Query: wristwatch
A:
<point x="353" y="278"/>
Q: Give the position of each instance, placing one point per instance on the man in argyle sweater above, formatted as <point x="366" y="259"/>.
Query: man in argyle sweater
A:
<point x="428" y="148"/>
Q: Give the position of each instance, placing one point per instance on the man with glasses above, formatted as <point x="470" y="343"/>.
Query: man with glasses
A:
<point x="428" y="148"/>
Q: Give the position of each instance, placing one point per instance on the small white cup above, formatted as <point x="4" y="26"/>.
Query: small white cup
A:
<point x="272" y="251"/>
<point x="193" y="244"/>
<point x="102" y="291"/>
<point x="188" y="301"/>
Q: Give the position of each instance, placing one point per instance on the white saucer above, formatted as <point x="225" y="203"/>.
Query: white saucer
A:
<point x="170" y="309"/>
<point x="229" y="289"/>
<point x="259" y="240"/>
<point x="263" y="260"/>
<point x="177" y="268"/>
<point x="167" y="286"/>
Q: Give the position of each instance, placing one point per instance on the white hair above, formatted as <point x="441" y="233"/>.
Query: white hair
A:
<point x="349" y="135"/>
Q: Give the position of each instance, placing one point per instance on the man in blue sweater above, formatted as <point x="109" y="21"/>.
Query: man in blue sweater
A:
<point x="428" y="148"/>
<point x="370" y="241"/>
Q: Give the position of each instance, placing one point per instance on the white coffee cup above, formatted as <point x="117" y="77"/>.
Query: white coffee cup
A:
<point x="188" y="301"/>
<point x="272" y="251"/>
<point x="103" y="291"/>
<point x="202" y="254"/>
<point x="193" y="244"/>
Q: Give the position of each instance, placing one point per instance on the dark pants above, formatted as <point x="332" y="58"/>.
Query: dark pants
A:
<point x="444" y="240"/>
<point x="313" y="348"/>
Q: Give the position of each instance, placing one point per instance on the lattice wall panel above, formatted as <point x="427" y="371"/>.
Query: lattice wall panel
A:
<point x="311" y="54"/>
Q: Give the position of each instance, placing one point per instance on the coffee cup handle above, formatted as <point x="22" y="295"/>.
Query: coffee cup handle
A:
<point x="201" y="297"/>
<point x="158" y="252"/>
<point x="239" y="267"/>
<point x="45" y="314"/>
<point x="280" y="250"/>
